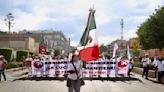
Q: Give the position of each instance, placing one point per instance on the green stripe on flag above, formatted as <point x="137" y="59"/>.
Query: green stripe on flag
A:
<point x="90" y="25"/>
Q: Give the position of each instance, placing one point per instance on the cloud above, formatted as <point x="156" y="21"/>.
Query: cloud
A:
<point x="131" y="33"/>
<point x="106" y="39"/>
<point x="70" y="16"/>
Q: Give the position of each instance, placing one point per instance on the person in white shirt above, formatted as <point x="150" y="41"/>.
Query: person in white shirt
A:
<point x="74" y="74"/>
<point x="145" y="62"/>
<point x="28" y="63"/>
<point x="130" y="66"/>
<point x="160" y="68"/>
<point x="154" y="64"/>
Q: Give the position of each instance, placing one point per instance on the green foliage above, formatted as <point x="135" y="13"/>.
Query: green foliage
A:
<point x="103" y="48"/>
<point x="136" y="53"/>
<point x="73" y="50"/>
<point x="138" y="64"/>
<point x="6" y="53"/>
<point x="57" y="52"/>
<point x="151" y="32"/>
<point x="20" y="55"/>
<point x="14" y="65"/>
<point x="2" y="33"/>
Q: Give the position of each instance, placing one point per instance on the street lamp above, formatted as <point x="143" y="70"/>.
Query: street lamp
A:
<point x="8" y="21"/>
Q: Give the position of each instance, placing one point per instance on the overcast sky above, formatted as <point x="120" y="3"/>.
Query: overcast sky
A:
<point x="70" y="16"/>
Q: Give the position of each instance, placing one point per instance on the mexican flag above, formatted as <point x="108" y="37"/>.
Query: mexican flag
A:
<point x="89" y="49"/>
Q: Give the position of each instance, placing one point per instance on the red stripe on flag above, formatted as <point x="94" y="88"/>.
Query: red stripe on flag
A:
<point x="90" y="53"/>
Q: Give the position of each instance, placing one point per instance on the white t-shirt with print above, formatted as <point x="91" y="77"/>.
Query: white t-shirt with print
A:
<point x="78" y="66"/>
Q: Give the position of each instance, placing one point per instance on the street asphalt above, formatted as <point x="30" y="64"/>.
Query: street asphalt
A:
<point x="18" y="81"/>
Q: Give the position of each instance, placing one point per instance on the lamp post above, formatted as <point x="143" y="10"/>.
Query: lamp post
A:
<point x="122" y="26"/>
<point x="9" y="21"/>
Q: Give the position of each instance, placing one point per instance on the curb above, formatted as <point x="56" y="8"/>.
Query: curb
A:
<point x="14" y="69"/>
<point x="140" y="70"/>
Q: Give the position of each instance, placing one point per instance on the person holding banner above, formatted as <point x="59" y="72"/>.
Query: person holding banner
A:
<point x="38" y="66"/>
<point x="74" y="80"/>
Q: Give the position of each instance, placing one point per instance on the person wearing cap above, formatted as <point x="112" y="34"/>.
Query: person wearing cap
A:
<point x="3" y="63"/>
<point x="145" y="62"/>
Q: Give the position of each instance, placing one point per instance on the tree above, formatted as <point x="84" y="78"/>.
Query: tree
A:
<point x="151" y="32"/>
<point x="56" y="52"/>
<point x="103" y="48"/>
<point x="9" y="21"/>
<point x="2" y="33"/>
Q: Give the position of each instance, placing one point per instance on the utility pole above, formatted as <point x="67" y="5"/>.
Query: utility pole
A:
<point x="122" y="26"/>
<point x="8" y="21"/>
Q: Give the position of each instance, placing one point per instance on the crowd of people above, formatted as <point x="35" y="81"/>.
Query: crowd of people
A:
<point x="158" y="64"/>
<point x="75" y="78"/>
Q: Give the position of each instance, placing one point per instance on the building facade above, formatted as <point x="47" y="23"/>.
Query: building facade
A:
<point x="18" y="42"/>
<point x="122" y="46"/>
<point x="50" y="38"/>
<point x="32" y="39"/>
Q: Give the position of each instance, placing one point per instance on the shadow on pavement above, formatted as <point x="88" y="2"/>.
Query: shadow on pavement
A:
<point x="154" y="81"/>
<point x="113" y="79"/>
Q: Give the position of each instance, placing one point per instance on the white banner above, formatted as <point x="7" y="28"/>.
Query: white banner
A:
<point x="106" y="67"/>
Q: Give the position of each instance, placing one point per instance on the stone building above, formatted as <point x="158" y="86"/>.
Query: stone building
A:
<point x="51" y="38"/>
<point x="122" y="46"/>
<point x="18" y="42"/>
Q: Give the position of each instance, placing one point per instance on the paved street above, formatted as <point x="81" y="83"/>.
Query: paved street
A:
<point x="134" y="84"/>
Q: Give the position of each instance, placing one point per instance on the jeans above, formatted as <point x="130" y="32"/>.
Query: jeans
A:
<point x="75" y="86"/>
<point x="145" y="71"/>
<point x="160" y="75"/>
<point x="129" y="72"/>
<point x="3" y="73"/>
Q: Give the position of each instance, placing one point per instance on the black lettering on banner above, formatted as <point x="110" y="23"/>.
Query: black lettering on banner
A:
<point x="48" y="68"/>
<point x="111" y="62"/>
<point x="61" y="67"/>
<point x="57" y="72"/>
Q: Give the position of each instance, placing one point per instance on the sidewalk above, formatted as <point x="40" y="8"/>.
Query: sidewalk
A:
<point x="14" y="69"/>
<point x="15" y="73"/>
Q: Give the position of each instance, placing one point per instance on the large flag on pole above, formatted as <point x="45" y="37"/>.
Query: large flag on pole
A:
<point x="88" y="49"/>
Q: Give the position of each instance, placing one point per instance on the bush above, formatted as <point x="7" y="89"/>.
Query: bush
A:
<point x="15" y="64"/>
<point x="20" y="55"/>
<point x="138" y="64"/>
<point x="57" y="52"/>
<point x="6" y="52"/>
